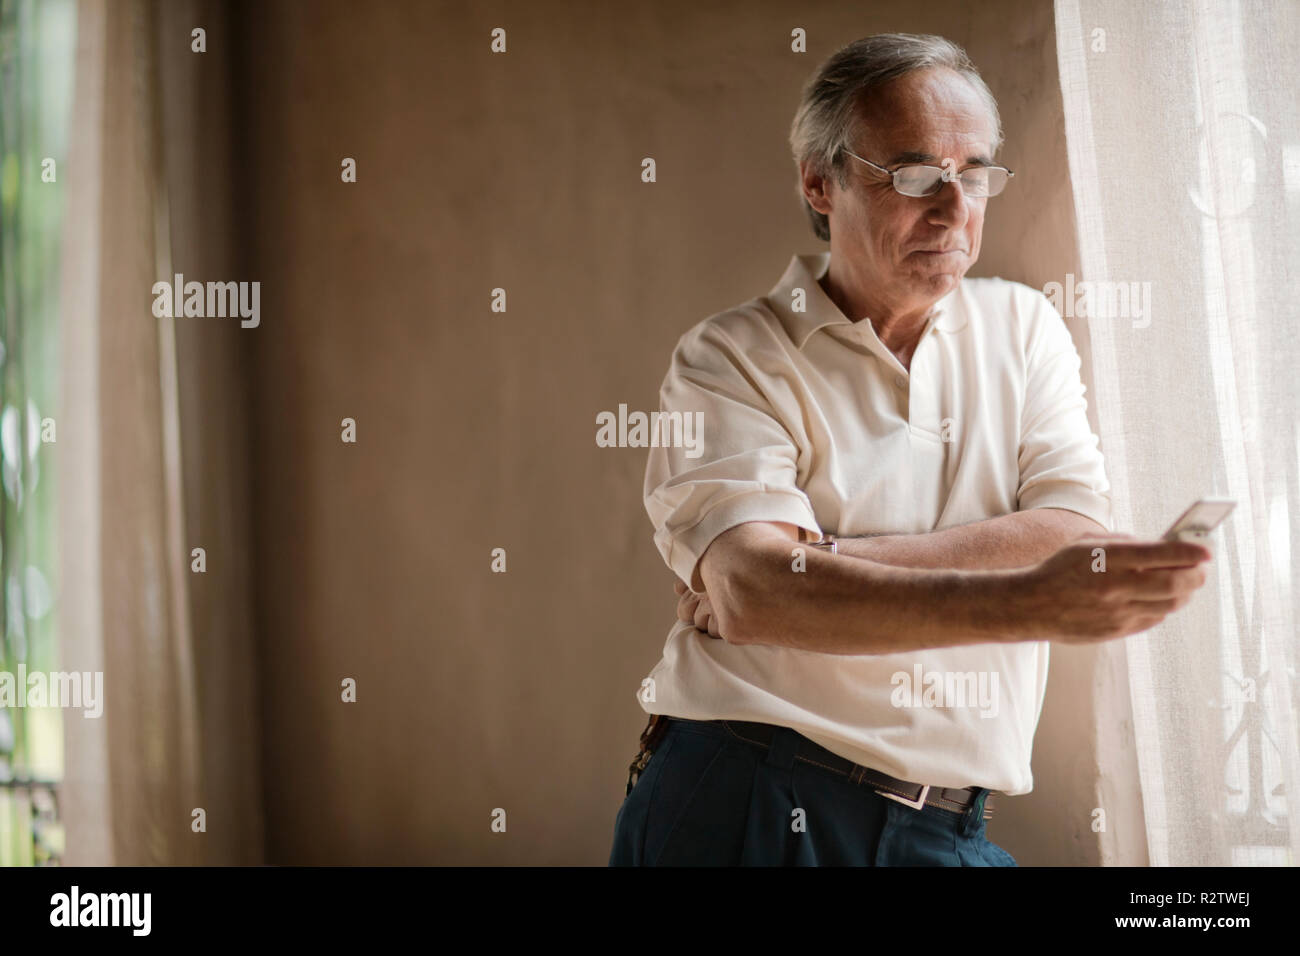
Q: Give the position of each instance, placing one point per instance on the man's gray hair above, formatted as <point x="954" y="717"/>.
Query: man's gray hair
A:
<point x="828" y="119"/>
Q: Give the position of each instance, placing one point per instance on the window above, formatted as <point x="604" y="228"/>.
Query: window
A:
<point x="36" y="71"/>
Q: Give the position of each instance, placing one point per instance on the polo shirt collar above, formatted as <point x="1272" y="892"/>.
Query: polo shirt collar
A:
<point x="805" y="272"/>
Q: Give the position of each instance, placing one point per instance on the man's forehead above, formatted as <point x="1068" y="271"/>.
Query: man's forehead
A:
<point x="909" y="119"/>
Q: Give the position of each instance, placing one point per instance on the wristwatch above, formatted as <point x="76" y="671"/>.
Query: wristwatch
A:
<point x="827" y="543"/>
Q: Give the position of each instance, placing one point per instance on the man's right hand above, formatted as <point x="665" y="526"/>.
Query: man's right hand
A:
<point x="695" y="609"/>
<point x="1104" y="587"/>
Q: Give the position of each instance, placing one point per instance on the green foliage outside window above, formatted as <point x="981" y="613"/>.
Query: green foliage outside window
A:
<point x="37" y="64"/>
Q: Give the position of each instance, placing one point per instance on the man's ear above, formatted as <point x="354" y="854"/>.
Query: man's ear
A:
<point x="815" y="188"/>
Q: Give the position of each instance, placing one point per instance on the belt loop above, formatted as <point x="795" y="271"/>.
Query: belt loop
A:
<point x="973" y="817"/>
<point x="784" y="747"/>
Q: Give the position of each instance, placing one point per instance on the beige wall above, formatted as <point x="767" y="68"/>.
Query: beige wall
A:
<point x="476" y="430"/>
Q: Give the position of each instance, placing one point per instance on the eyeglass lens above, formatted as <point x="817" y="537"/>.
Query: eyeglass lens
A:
<point x="977" y="182"/>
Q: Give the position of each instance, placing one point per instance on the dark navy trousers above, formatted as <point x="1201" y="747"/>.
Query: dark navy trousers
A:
<point x="709" y="798"/>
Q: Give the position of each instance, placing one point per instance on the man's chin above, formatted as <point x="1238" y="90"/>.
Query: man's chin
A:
<point x="937" y="283"/>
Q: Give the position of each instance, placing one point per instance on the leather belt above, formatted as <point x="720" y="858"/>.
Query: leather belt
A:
<point x="914" y="795"/>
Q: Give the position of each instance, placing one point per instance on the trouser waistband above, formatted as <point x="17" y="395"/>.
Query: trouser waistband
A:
<point x="914" y="795"/>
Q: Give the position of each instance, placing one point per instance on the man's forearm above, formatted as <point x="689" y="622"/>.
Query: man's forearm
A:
<point x="770" y="590"/>
<point x="1008" y="541"/>
<point x="766" y="588"/>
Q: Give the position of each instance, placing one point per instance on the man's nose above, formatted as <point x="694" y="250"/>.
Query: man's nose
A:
<point x="948" y="205"/>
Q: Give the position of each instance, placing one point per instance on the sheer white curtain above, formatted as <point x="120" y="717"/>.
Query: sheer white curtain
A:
<point x="1183" y="132"/>
<point x="151" y="458"/>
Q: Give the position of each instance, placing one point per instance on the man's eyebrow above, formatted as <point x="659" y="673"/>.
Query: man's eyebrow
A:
<point x="911" y="156"/>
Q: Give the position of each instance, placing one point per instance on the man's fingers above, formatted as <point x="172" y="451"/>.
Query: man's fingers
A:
<point x="695" y="609"/>
<point x="1138" y="555"/>
<point x="705" y="619"/>
<point x="686" y="606"/>
<point x="1157" y="584"/>
<point x="1106" y="538"/>
<point x="1161" y="606"/>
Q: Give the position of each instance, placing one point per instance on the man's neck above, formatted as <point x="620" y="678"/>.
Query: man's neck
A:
<point x="899" y="327"/>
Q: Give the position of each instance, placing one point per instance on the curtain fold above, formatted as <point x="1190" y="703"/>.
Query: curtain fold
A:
<point x="169" y="774"/>
<point x="130" y="784"/>
<point x="1184" y="147"/>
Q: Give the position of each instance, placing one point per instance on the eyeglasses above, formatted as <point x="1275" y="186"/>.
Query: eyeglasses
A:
<point x="919" y="180"/>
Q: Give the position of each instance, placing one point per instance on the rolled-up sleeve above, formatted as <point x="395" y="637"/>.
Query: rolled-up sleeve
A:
<point x="743" y="463"/>
<point x="1061" y="465"/>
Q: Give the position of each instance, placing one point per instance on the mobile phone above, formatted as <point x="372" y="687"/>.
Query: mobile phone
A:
<point x="1200" y="519"/>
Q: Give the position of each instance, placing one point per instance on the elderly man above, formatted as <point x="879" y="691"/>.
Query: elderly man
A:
<point x="899" y="504"/>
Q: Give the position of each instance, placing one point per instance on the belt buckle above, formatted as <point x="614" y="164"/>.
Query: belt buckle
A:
<point x="917" y="804"/>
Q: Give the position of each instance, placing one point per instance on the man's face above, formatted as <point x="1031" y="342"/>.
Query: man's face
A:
<point x="908" y="251"/>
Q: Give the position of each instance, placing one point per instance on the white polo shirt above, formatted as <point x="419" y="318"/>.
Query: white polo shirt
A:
<point x="808" y="418"/>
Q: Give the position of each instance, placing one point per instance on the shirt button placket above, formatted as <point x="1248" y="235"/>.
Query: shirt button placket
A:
<point x="904" y="396"/>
